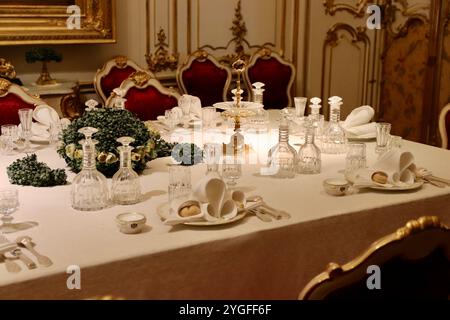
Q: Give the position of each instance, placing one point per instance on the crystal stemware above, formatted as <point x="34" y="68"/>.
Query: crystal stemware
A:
<point x="9" y="203"/>
<point x="212" y="153"/>
<point x="26" y="121"/>
<point x="9" y="137"/>
<point x="180" y="185"/>
<point x="126" y="188"/>
<point x="231" y="170"/>
<point x="89" y="188"/>
<point x="208" y="116"/>
<point x="300" y="106"/>
<point x="383" y="136"/>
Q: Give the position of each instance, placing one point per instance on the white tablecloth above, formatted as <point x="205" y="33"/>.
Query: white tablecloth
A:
<point x="248" y="260"/>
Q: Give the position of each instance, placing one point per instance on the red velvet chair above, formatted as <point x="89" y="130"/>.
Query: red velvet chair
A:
<point x="444" y="126"/>
<point x="147" y="97"/>
<point x="204" y="77"/>
<point x="112" y="74"/>
<point x="277" y="74"/>
<point x="13" y="98"/>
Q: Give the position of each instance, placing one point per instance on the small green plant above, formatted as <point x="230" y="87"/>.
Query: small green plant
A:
<point x="29" y="172"/>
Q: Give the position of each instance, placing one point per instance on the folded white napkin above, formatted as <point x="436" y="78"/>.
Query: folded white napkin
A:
<point x="358" y="123"/>
<point x="194" y="104"/>
<point x="214" y="199"/>
<point x="397" y="166"/>
<point x="44" y="116"/>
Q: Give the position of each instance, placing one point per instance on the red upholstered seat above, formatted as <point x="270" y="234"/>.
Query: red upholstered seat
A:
<point x="112" y="74"/>
<point x="149" y="103"/>
<point x="204" y="77"/>
<point x="9" y="108"/>
<point x="115" y="78"/>
<point x="278" y="76"/>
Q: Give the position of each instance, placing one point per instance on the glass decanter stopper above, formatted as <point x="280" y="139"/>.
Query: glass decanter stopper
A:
<point x="282" y="158"/>
<point x="309" y="155"/>
<point x="91" y="105"/>
<point x="89" y="188"/>
<point x="335" y="138"/>
<point x="126" y="188"/>
<point x="258" y="92"/>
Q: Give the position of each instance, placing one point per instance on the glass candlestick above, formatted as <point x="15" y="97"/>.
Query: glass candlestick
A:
<point x="335" y="138"/>
<point x="282" y="158"/>
<point x="90" y="187"/>
<point x="309" y="155"/>
<point x="126" y="188"/>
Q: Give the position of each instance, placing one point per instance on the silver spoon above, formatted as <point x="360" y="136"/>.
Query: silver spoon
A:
<point x="28" y="243"/>
<point x="18" y="254"/>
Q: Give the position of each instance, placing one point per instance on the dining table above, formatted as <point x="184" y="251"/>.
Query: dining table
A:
<point x="246" y="260"/>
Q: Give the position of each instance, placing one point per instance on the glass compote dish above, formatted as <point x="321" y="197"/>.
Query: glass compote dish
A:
<point x="90" y="187"/>
<point x="126" y="188"/>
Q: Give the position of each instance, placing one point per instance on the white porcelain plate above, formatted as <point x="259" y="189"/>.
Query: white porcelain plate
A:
<point x="415" y="186"/>
<point x="163" y="212"/>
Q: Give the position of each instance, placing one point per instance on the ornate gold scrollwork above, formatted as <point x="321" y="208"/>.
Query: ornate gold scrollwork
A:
<point x="7" y="70"/>
<point x="239" y="32"/>
<point x="419" y="225"/>
<point x="161" y="59"/>
<point x="121" y="61"/>
<point x="47" y="23"/>
<point x="4" y="86"/>
<point x="358" y="10"/>
<point x="140" y="78"/>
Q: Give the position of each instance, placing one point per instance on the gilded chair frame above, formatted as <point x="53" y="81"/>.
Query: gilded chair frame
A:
<point x="267" y="53"/>
<point x="6" y="87"/>
<point x="202" y="55"/>
<point x="120" y="62"/>
<point x="145" y="79"/>
<point x="335" y="272"/>
<point x="442" y="126"/>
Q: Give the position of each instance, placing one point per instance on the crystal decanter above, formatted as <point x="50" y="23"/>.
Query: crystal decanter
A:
<point x="335" y="138"/>
<point x="258" y="92"/>
<point x="89" y="188"/>
<point x="317" y="120"/>
<point x="309" y="155"/>
<point x="126" y="188"/>
<point x="282" y="158"/>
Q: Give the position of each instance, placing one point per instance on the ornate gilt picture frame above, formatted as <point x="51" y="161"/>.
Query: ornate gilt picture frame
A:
<point x="46" y="22"/>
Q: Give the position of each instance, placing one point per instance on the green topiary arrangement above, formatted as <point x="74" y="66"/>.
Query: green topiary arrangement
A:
<point x="113" y="124"/>
<point x="29" y="172"/>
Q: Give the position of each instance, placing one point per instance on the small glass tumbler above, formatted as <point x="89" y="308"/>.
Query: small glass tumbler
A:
<point x="180" y="185"/>
<point x="26" y="120"/>
<point x="395" y="142"/>
<point x="356" y="157"/>
<point x="231" y="170"/>
<point x="208" y="116"/>
<point x="212" y="153"/>
<point x="300" y="106"/>
<point x="9" y="137"/>
<point x="383" y="137"/>
<point x="9" y="203"/>
<point x="55" y="132"/>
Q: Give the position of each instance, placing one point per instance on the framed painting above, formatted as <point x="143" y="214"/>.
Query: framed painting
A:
<point x="57" y="21"/>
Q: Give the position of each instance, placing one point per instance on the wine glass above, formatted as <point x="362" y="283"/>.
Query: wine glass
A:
<point x="9" y="203"/>
<point x="26" y="120"/>
<point x="231" y="171"/>
<point x="9" y="137"/>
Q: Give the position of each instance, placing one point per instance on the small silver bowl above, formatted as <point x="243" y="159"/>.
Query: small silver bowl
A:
<point x="336" y="187"/>
<point x="131" y="223"/>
